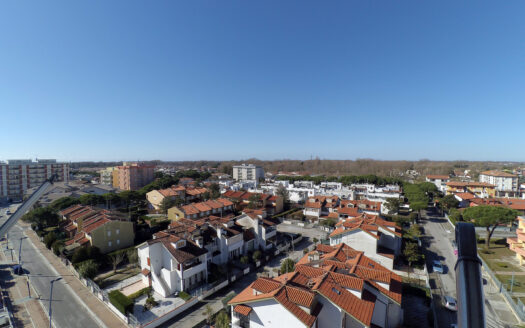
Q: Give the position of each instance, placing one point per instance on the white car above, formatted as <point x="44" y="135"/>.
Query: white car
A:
<point x="449" y="302"/>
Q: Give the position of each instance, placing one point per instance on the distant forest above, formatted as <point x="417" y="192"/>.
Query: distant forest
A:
<point x="331" y="167"/>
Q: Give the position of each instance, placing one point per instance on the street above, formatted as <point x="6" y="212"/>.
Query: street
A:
<point x="67" y="309"/>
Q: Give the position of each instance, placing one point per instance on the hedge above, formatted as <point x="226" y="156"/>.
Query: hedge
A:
<point x="123" y="303"/>
<point x="137" y="294"/>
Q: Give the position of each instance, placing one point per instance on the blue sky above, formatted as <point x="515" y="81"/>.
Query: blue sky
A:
<point x="188" y="80"/>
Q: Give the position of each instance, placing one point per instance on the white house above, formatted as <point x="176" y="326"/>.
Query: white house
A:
<point x="170" y="263"/>
<point x="378" y="239"/>
<point x="506" y="184"/>
<point x="263" y="229"/>
<point x="322" y="293"/>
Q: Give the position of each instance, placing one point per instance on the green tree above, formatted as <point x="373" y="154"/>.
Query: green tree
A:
<point x="80" y="255"/>
<point x="244" y="259"/>
<point x="392" y="205"/>
<point x="489" y="217"/>
<point x="58" y="247"/>
<point x="133" y="256"/>
<point x="455" y="215"/>
<point x="214" y="190"/>
<point x="287" y="265"/>
<point x="414" y="231"/>
<point x="448" y="202"/>
<point x="208" y="312"/>
<point x="166" y="204"/>
<point x="254" y="201"/>
<point x="281" y="191"/>
<point x="42" y="216"/>
<point x="315" y="240"/>
<point x="411" y="253"/>
<point x="256" y="255"/>
<point x="116" y="258"/>
<point x="49" y="239"/>
<point x="222" y="320"/>
<point x="88" y="269"/>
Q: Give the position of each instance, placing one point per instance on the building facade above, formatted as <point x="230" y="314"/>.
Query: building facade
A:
<point x="133" y="176"/>
<point x="247" y="172"/>
<point x="506" y="184"/>
<point x="106" y="176"/>
<point x="17" y="176"/>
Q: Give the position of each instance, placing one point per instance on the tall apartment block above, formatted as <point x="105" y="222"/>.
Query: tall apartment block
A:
<point x="132" y="176"/>
<point x="247" y="172"/>
<point x="106" y="176"/>
<point x="16" y="175"/>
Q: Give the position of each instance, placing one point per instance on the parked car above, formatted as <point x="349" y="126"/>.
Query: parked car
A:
<point x="8" y="212"/>
<point x="438" y="267"/>
<point x="449" y="302"/>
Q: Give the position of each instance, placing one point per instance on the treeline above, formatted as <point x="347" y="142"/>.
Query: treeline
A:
<point x="346" y="179"/>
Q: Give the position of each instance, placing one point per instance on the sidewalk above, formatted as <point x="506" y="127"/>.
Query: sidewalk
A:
<point x="27" y="311"/>
<point x="97" y="307"/>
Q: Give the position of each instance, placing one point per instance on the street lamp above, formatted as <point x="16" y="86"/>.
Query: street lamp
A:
<point x="51" y="297"/>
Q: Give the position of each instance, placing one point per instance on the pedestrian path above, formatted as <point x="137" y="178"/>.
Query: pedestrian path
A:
<point x="97" y="308"/>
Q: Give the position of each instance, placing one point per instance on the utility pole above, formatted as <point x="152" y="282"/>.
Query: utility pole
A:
<point x="51" y="298"/>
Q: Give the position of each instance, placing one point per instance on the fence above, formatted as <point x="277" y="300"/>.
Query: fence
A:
<point x="518" y="309"/>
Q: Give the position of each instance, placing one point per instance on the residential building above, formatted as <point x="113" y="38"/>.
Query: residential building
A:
<point x="247" y="172"/>
<point x="318" y="206"/>
<point x="480" y="189"/>
<point x="184" y="193"/>
<point x="172" y="264"/>
<point x="439" y="180"/>
<point x="260" y="230"/>
<point x="106" y="176"/>
<point x="377" y="238"/>
<point x="87" y="225"/>
<point x="330" y="287"/>
<point x="243" y="199"/>
<point x="506" y="184"/>
<point x="517" y="244"/>
<point x="194" y="211"/>
<point x="17" y="176"/>
<point x="133" y="176"/>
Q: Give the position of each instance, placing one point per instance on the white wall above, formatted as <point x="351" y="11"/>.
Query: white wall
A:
<point x="270" y="313"/>
<point x="330" y="315"/>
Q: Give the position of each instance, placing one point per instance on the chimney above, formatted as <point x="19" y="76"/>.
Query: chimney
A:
<point x="200" y="241"/>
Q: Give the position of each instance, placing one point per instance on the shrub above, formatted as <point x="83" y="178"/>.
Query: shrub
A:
<point x="80" y="255"/>
<point x="123" y="303"/>
<point x="49" y="239"/>
<point x="256" y="256"/>
<point x="244" y="259"/>
<point x="185" y="296"/>
<point x="57" y="247"/>
<point x="150" y="302"/>
<point x="87" y="269"/>
<point x="143" y="291"/>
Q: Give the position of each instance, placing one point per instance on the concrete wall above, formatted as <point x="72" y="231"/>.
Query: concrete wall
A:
<point x="270" y="313"/>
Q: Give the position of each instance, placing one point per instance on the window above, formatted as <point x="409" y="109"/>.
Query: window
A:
<point x="109" y="233"/>
<point x="118" y="241"/>
<point x="118" y="231"/>
<point x="109" y="244"/>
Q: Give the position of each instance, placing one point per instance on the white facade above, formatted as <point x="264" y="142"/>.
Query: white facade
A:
<point x="269" y="313"/>
<point x="505" y="184"/>
<point x="247" y="172"/>
<point x="17" y="176"/>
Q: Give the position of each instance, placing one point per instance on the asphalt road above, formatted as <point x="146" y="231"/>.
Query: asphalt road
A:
<point x="437" y="245"/>
<point x="68" y="310"/>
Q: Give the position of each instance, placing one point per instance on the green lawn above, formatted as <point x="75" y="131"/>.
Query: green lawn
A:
<point x="109" y="279"/>
<point x="519" y="282"/>
<point x="495" y="257"/>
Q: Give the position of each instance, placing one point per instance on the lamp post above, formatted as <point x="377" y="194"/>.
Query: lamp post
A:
<point x="51" y="298"/>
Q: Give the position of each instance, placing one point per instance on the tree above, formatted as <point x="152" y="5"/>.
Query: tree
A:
<point x="80" y="255"/>
<point x="244" y="259"/>
<point x="88" y="269"/>
<point x="392" y="205"/>
<point x="414" y="231"/>
<point x="42" y="216"/>
<point x="256" y="255"/>
<point x="411" y="253"/>
<point x="315" y="240"/>
<point x="166" y="204"/>
<point x="254" y="201"/>
<point x="418" y="206"/>
<point x="489" y="217"/>
<point x="214" y="190"/>
<point x="133" y="256"/>
<point x="49" y="239"/>
<point x="58" y="247"/>
<point x="455" y="215"/>
<point x="283" y="192"/>
<point x="116" y="259"/>
<point x="448" y="202"/>
<point x="208" y="312"/>
<point x="222" y="320"/>
<point x="287" y="265"/>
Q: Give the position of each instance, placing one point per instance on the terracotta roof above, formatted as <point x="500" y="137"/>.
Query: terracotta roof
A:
<point x="465" y="195"/>
<point x="496" y="173"/>
<point x="438" y="176"/>
<point x="312" y="205"/>
<point x="469" y="184"/>
<point x="242" y="309"/>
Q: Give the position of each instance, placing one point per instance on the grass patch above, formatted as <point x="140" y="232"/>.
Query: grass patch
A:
<point x="494" y="255"/>
<point x="185" y="296"/>
<point x="519" y="282"/>
<point x="117" y="277"/>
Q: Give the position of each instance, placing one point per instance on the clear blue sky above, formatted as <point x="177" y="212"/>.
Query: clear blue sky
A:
<point x="185" y="80"/>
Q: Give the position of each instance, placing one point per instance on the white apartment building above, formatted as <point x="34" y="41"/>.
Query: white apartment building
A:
<point x="506" y="183"/>
<point x="106" y="176"/>
<point x="247" y="172"/>
<point x="440" y="181"/>
<point x="17" y="176"/>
